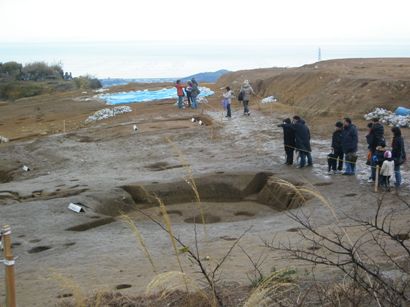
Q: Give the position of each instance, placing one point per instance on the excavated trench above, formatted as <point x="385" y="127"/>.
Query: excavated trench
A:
<point x="222" y="198"/>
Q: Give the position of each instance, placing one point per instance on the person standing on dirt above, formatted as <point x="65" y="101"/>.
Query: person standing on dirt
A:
<point x="302" y="141"/>
<point x="337" y="149"/>
<point x="246" y="91"/>
<point x="349" y="144"/>
<point x="180" y="92"/>
<point x="398" y="154"/>
<point x="227" y="101"/>
<point x="194" y="94"/>
<point x="288" y="140"/>
<point x="374" y="139"/>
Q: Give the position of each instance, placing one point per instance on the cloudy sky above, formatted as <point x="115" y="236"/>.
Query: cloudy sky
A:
<point x="166" y="38"/>
<point x="293" y="21"/>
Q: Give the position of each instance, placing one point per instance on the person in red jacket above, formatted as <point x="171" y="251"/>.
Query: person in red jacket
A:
<point x="180" y="92"/>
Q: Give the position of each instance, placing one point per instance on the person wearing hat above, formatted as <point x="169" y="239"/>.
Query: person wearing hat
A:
<point x="337" y="149"/>
<point x="387" y="170"/>
<point x="246" y="91"/>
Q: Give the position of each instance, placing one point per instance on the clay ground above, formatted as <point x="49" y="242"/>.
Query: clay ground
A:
<point x="102" y="165"/>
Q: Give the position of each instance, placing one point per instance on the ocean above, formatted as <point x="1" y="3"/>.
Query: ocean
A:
<point x="180" y="59"/>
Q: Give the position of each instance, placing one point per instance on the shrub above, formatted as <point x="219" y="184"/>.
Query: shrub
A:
<point x="87" y="82"/>
<point x="15" y="90"/>
<point x="10" y="70"/>
<point x="39" y="71"/>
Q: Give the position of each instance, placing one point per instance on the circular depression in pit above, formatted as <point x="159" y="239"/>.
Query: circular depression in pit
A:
<point x="210" y="212"/>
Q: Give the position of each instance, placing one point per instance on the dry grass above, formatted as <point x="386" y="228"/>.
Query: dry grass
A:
<point x="139" y="238"/>
<point x="273" y="291"/>
<point x="189" y="179"/>
<point x="69" y="284"/>
<point x="115" y="299"/>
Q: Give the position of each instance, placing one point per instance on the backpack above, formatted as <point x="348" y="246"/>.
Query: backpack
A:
<point x="240" y="96"/>
<point x="195" y="91"/>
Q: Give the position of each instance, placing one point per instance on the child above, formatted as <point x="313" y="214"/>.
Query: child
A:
<point x="387" y="170"/>
<point x="378" y="156"/>
<point x="331" y="163"/>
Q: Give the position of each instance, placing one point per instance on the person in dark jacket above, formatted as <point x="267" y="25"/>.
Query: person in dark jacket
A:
<point x="398" y="154"/>
<point x="374" y="139"/>
<point x="376" y="135"/>
<point x="349" y="145"/>
<point x="302" y="141"/>
<point x="337" y="149"/>
<point x="288" y="140"/>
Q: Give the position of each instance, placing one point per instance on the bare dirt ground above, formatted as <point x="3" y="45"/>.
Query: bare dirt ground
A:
<point x="102" y="165"/>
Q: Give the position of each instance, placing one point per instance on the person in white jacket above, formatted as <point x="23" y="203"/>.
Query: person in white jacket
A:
<point x="227" y="101"/>
<point x="387" y="170"/>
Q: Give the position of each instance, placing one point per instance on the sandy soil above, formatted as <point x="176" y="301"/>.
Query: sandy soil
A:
<point x="103" y="164"/>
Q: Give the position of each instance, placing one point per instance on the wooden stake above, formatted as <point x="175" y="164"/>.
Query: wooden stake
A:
<point x="376" y="182"/>
<point x="9" y="263"/>
<point x="64" y="126"/>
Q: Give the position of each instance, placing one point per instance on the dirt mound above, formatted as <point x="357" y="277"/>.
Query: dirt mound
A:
<point x="333" y="87"/>
<point x="255" y="76"/>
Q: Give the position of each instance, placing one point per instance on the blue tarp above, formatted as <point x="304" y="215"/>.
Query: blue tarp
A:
<point x="146" y="95"/>
<point x="402" y="111"/>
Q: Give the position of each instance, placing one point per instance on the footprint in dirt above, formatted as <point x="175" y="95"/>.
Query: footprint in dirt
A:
<point x="38" y="249"/>
<point x="122" y="286"/>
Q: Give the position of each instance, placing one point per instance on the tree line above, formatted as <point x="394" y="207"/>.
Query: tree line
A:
<point x="18" y="80"/>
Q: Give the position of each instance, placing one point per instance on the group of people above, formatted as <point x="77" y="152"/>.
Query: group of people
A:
<point x="344" y="149"/>
<point x="387" y="162"/>
<point x="190" y="91"/>
<point x="343" y="156"/>
<point x="296" y="137"/>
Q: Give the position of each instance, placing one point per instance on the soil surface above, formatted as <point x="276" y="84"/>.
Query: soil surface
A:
<point x="111" y="170"/>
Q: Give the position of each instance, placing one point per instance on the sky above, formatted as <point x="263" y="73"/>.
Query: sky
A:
<point x="228" y="30"/>
<point x="133" y="20"/>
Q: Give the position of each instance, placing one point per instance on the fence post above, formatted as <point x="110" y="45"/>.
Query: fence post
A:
<point x="376" y="182"/>
<point x="9" y="264"/>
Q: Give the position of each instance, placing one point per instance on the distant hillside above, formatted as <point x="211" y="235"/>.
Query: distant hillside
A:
<point x="207" y="77"/>
<point x="340" y="87"/>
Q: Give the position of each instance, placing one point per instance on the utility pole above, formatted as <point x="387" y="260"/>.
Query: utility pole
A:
<point x="319" y="55"/>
